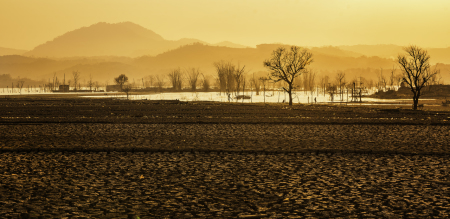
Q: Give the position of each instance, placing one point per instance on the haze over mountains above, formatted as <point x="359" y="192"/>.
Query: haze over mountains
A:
<point x="103" y="39"/>
<point x="106" y="50"/>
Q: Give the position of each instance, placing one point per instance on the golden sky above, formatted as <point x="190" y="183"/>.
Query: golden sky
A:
<point x="25" y="24"/>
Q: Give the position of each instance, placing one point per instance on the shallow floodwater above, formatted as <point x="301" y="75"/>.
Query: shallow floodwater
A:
<point x="269" y="97"/>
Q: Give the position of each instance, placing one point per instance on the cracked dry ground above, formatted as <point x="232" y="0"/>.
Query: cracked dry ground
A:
<point x="247" y="178"/>
<point x="258" y="169"/>
<point x="222" y="185"/>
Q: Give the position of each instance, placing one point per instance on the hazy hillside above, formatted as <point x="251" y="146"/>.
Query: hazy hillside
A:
<point x="8" y="51"/>
<point x="229" y="44"/>
<point x="197" y="55"/>
<point x="104" y="39"/>
<point x="438" y="55"/>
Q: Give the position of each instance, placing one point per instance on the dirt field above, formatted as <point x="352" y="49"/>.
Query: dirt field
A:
<point x="92" y="158"/>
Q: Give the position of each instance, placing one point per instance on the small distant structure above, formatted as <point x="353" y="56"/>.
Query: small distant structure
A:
<point x="110" y="88"/>
<point x="63" y="88"/>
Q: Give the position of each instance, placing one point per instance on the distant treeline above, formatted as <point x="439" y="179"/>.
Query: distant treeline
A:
<point x="7" y="81"/>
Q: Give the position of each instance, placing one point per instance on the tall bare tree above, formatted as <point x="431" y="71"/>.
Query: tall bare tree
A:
<point x="286" y="65"/>
<point x="226" y="76"/>
<point x="20" y="85"/>
<point x="256" y="83"/>
<point x="382" y="82"/>
<point x="238" y="77"/>
<point x="176" y="79"/>
<point x="392" y="77"/>
<point x="76" y="78"/>
<point x="416" y="70"/>
<point x="340" y="79"/>
<point x="205" y="83"/>
<point x="90" y="82"/>
<point x="192" y="77"/>
<point x="160" y="82"/>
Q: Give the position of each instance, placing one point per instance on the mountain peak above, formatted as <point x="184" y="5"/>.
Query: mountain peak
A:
<point x="100" y="39"/>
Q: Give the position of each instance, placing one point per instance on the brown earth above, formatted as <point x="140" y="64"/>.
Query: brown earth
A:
<point x="106" y="158"/>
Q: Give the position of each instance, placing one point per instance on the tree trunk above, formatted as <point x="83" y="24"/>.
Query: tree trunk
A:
<point x="290" y="94"/>
<point x="415" y="103"/>
<point x="416" y="99"/>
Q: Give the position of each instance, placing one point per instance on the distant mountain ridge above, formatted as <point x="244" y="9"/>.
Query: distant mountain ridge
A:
<point x="327" y="61"/>
<point x="104" y="39"/>
<point x="8" y="51"/>
<point x="132" y="40"/>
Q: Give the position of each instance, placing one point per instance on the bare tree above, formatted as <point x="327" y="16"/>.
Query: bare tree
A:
<point x="121" y="80"/>
<point x="226" y="76"/>
<point x="340" y="79"/>
<point x="416" y="70"/>
<point x="90" y="83"/>
<point x="205" y="83"/>
<point x="159" y="81"/>
<point x="76" y="78"/>
<point x="127" y="88"/>
<point x="96" y="85"/>
<point x="192" y="77"/>
<point x="382" y="83"/>
<point x="311" y="80"/>
<point x="20" y="85"/>
<point x="148" y="81"/>
<point x="264" y="79"/>
<point x="286" y="65"/>
<point x="176" y="79"/>
<point x="392" y="77"/>
<point x="256" y="83"/>
<point x="238" y="77"/>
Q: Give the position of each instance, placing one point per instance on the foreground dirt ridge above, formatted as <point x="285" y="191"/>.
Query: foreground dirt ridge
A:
<point x="78" y="158"/>
<point x="223" y="185"/>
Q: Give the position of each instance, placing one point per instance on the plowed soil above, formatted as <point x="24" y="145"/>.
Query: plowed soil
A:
<point x="91" y="158"/>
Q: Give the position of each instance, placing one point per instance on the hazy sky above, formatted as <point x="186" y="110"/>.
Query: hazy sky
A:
<point x="25" y="24"/>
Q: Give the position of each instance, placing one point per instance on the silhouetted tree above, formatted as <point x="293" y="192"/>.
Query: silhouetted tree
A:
<point x="20" y="85"/>
<point x="121" y="80"/>
<point x="159" y="81"/>
<point x="256" y="83"/>
<point x="205" y="83"/>
<point x="238" y="77"/>
<point x="225" y="76"/>
<point x="382" y="82"/>
<point x="286" y="65"/>
<point x="416" y="70"/>
<point x="96" y="85"/>
<point x="264" y="79"/>
<point x="127" y="88"/>
<point x="76" y="78"/>
<point x="340" y="78"/>
<point x="192" y="76"/>
<point x="90" y="83"/>
<point x="176" y="79"/>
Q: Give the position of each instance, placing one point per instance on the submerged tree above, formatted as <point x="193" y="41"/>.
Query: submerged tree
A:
<point x="286" y="65"/>
<point x="416" y="70"/>
<point x="20" y="85"/>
